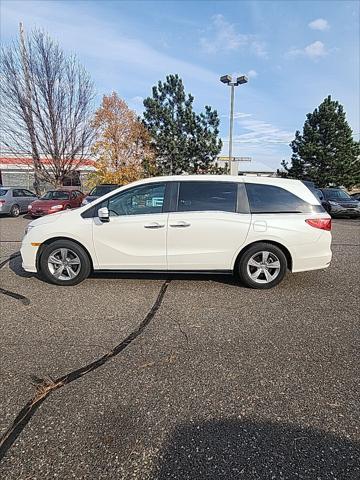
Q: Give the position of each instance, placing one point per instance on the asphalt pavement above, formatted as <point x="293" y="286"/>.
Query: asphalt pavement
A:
<point x="219" y="382"/>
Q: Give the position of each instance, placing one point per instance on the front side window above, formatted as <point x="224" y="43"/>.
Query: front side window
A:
<point x="142" y="200"/>
<point x="17" y="193"/>
<point x="205" y="196"/>
<point x="271" y="199"/>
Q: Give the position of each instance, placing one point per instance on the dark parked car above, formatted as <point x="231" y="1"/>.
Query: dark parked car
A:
<point x="99" y="191"/>
<point x="15" y="200"/>
<point x="339" y="203"/>
<point x="355" y="196"/>
<point x="54" y="201"/>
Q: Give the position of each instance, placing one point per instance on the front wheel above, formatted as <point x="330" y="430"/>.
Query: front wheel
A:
<point x="64" y="262"/>
<point x="262" y="266"/>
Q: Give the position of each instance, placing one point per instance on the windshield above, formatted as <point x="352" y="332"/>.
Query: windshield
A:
<point x="101" y="190"/>
<point x="336" y="195"/>
<point x="3" y="192"/>
<point x="55" y="195"/>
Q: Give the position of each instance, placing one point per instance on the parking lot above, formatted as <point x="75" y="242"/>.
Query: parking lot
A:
<point x="219" y="382"/>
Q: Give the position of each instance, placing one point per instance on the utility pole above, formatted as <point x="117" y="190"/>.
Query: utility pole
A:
<point x="227" y="79"/>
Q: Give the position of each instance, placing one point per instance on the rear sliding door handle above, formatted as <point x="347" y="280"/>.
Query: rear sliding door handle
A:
<point x="154" y="225"/>
<point x="180" y="224"/>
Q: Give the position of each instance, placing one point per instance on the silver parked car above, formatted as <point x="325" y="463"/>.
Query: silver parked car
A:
<point x="15" y="200"/>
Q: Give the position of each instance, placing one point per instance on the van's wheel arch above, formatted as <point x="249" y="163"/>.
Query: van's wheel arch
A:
<point x="64" y="262"/>
<point x="262" y="265"/>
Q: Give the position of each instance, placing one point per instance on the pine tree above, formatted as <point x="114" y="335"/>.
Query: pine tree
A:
<point x="183" y="140"/>
<point x="325" y="152"/>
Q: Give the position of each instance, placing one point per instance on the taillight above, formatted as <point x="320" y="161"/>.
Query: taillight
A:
<point x="322" y="223"/>
<point x="2" y="202"/>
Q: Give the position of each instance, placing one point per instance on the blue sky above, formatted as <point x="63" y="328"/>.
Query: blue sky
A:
<point x="295" y="54"/>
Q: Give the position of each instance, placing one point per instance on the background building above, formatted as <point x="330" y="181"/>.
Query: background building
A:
<point x="247" y="166"/>
<point x="18" y="172"/>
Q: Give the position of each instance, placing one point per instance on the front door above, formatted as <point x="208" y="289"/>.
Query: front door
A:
<point x="209" y="226"/>
<point x="135" y="236"/>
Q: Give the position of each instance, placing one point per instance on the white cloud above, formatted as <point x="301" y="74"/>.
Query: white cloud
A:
<point x="136" y="103"/>
<point x="112" y="52"/>
<point x="223" y="37"/>
<point x="319" y="24"/>
<point x="259" y="48"/>
<point x="259" y="139"/>
<point x="260" y="132"/>
<point x="252" y="73"/>
<point x="314" y="50"/>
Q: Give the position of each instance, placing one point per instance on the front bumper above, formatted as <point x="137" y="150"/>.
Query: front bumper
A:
<point x="42" y="213"/>
<point x="28" y="256"/>
<point x="344" y="212"/>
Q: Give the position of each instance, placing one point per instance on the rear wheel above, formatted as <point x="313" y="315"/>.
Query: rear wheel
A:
<point x="15" y="211"/>
<point x="64" y="262"/>
<point x="262" y="266"/>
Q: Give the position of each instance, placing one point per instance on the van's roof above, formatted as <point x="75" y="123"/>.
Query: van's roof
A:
<point x="295" y="186"/>
<point x="223" y="178"/>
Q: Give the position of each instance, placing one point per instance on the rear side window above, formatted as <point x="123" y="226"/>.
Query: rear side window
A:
<point x="204" y="196"/>
<point x="3" y="192"/>
<point x="271" y="199"/>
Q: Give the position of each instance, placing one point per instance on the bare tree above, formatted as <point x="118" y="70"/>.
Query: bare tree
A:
<point x="46" y="101"/>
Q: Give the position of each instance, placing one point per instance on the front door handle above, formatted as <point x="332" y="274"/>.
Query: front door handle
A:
<point x="154" y="225"/>
<point x="181" y="224"/>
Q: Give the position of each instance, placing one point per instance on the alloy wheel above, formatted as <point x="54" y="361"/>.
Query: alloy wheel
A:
<point x="64" y="264"/>
<point x="263" y="267"/>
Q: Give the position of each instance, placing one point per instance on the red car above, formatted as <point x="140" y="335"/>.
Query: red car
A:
<point x="54" y="201"/>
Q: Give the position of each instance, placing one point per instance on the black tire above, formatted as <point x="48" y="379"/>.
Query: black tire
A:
<point x="15" y="211"/>
<point x="74" y="252"/>
<point x="254" y="253"/>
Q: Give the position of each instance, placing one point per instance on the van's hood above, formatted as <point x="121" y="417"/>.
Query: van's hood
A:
<point x="50" y="218"/>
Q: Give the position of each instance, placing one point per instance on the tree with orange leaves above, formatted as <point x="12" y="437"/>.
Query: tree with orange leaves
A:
<point x="122" y="145"/>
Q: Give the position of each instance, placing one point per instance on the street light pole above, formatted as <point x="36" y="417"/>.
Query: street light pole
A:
<point x="227" y="79"/>
<point x="231" y="161"/>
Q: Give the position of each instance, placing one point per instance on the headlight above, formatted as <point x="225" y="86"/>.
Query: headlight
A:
<point x="334" y="203"/>
<point x="28" y="228"/>
<point x="56" y="207"/>
<point x="84" y="202"/>
<point x="29" y="207"/>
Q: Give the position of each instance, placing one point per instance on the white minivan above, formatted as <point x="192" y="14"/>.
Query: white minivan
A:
<point x="254" y="227"/>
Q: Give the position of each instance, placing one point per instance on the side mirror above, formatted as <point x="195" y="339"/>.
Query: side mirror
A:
<point x="103" y="214"/>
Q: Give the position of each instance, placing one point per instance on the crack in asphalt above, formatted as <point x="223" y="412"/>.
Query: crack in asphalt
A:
<point x="7" y="260"/>
<point x="10" y="241"/>
<point x="345" y="244"/>
<point x="45" y="386"/>
<point x="24" y="300"/>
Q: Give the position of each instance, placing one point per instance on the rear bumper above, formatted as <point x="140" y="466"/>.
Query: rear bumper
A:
<point x="313" y="256"/>
<point x="5" y="209"/>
